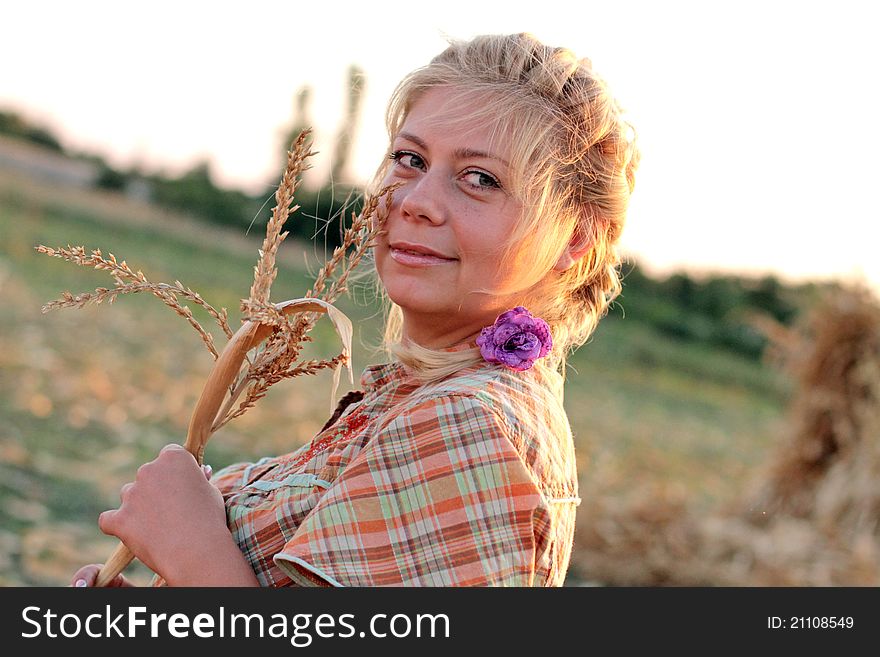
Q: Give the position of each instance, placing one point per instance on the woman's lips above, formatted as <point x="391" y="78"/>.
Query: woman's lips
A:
<point x="414" y="259"/>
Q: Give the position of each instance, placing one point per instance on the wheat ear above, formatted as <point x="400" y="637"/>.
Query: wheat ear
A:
<point x="137" y="282"/>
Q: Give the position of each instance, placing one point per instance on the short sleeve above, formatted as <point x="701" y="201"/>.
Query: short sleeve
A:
<point x="438" y="497"/>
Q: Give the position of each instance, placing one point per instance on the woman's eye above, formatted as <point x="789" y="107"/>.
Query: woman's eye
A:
<point x="481" y="180"/>
<point x="408" y="159"/>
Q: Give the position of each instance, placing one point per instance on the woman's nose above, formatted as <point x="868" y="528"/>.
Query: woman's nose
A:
<point x="424" y="199"/>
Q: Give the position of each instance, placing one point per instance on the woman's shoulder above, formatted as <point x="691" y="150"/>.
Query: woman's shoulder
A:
<point x="517" y="396"/>
<point x="528" y="405"/>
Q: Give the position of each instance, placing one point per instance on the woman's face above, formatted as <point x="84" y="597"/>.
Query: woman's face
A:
<point x="449" y="219"/>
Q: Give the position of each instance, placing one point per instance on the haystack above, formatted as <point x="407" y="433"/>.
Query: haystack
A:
<point x="811" y="517"/>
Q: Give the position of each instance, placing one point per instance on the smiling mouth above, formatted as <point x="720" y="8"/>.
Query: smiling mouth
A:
<point x="417" y="258"/>
<point x="422" y="253"/>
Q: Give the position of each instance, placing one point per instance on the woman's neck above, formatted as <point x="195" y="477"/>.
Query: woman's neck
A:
<point x="436" y="336"/>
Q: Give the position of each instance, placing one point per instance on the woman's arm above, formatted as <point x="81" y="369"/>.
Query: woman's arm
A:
<point x="174" y="521"/>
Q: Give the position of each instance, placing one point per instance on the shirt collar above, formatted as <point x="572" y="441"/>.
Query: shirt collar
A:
<point x="376" y="376"/>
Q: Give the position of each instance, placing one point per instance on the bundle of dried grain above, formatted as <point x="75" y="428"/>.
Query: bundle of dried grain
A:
<point x="826" y="470"/>
<point x="267" y="347"/>
<point x="646" y="537"/>
<point x="814" y="519"/>
<point x="826" y="467"/>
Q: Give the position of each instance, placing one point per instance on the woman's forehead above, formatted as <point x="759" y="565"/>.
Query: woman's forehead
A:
<point x="456" y="113"/>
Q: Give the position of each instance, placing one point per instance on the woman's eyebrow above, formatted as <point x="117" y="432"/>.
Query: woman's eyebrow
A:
<point x="465" y="153"/>
<point x="416" y="140"/>
<point x="462" y="153"/>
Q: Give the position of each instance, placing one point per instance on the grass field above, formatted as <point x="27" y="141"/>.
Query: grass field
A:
<point x="87" y="395"/>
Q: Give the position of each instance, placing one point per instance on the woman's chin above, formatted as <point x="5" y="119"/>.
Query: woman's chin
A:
<point x="421" y="306"/>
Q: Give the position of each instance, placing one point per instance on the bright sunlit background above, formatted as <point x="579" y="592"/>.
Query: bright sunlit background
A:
<point x="757" y="120"/>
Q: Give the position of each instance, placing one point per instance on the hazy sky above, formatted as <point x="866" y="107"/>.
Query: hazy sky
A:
<point x="758" y="121"/>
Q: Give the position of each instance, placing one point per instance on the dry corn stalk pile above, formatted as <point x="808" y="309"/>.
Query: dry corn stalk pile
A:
<point x="813" y="518"/>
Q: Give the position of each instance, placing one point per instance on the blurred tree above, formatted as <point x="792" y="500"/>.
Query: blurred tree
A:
<point x="301" y="121"/>
<point x="336" y="197"/>
<point x="770" y="295"/>
<point x="719" y="295"/>
<point x="110" y="178"/>
<point x="196" y="193"/>
<point x="714" y="310"/>
<point x="14" y="125"/>
<point x="346" y="136"/>
<point x="680" y="288"/>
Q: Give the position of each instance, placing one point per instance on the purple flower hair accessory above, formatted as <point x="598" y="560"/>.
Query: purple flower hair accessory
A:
<point x="516" y="339"/>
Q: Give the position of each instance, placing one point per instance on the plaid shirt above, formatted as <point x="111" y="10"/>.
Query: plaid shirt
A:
<point x="465" y="482"/>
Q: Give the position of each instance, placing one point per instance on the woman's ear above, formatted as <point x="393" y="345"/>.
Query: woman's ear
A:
<point x="579" y="245"/>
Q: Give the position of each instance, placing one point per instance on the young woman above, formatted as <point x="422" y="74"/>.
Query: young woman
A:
<point x="455" y="465"/>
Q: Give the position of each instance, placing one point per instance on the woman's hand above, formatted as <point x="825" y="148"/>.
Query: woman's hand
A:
<point x="174" y="521"/>
<point x="87" y="575"/>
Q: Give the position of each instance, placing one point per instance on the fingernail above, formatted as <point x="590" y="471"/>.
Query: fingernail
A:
<point x="207" y="469"/>
<point x="80" y="583"/>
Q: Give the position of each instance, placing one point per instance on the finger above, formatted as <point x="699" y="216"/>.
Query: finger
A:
<point x="118" y="582"/>
<point x="124" y="490"/>
<point x="208" y="470"/>
<point x="86" y="575"/>
<point x="107" y="522"/>
<point x="177" y="454"/>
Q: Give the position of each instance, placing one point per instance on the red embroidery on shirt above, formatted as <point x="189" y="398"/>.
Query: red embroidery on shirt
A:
<point x="351" y="425"/>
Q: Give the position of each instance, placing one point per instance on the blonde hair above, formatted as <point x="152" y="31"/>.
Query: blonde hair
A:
<point x="573" y="159"/>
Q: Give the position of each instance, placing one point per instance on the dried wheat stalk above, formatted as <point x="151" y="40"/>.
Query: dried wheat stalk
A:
<point x="276" y="361"/>
<point x="265" y="321"/>
<point x="265" y="271"/>
<point x="122" y="273"/>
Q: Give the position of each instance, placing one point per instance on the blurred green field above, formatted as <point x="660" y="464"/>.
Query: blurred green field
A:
<point x="86" y="395"/>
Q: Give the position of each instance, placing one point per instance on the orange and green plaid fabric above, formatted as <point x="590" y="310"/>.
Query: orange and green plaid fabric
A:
<point x="466" y="482"/>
